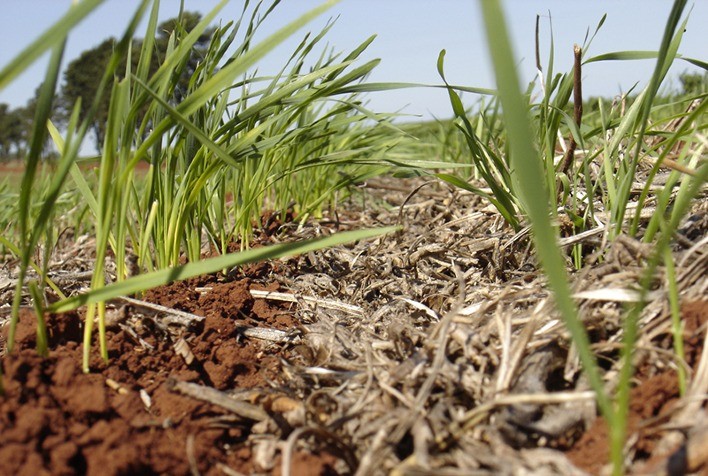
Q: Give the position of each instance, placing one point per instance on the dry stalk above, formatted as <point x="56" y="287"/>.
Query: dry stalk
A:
<point x="328" y="437"/>
<point x="567" y="161"/>
<point x="221" y="399"/>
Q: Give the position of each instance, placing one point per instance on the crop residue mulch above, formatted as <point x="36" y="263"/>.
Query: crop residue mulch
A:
<point x="435" y="350"/>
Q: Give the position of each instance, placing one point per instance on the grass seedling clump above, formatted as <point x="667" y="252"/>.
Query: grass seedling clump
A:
<point x="214" y="162"/>
<point x="591" y="181"/>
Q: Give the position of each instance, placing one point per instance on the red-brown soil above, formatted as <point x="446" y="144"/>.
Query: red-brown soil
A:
<point x="12" y="167"/>
<point x="651" y="403"/>
<point x="57" y="420"/>
<point x="127" y="416"/>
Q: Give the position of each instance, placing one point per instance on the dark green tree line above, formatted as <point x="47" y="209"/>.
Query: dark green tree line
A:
<point x="15" y="129"/>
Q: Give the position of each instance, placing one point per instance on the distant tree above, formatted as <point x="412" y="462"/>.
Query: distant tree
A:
<point x="83" y="75"/>
<point x="15" y="130"/>
<point x="81" y="80"/>
<point x="21" y="128"/>
<point x="4" y="135"/>
<point x="694" y="83"/>
<point x="26" y="119"/>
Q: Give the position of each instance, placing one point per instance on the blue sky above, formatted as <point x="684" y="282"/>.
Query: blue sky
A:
<point x="410" y="35"/>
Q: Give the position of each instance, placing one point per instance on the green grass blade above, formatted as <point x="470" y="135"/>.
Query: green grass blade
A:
<point x="38" y="304"/>
<point x="15" y="250"/>
<point x="509" y="216"/>
<point x="225" y="77"/>
<point x="641" y="55"/>
<point x="380" y="87"/>
<point x="51" y="37"/>
<point x="185" y="45"/>
<point x="146" y="51"/>
<point x="31" y="236"/>
<point x="75" y="171"/>
<point x="532" y="189"/>
<point x="211" y="265"/>
<point x="676" y="322"/>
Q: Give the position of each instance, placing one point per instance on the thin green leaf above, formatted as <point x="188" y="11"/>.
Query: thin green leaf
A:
<point x="211" y="265"/>
<point x="531" y="184"/>
<point x="51" y="37"/>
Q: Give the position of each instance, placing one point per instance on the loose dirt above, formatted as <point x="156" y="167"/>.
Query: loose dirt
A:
<point x="652" y="402"/>
<point x="417" y="353"/>
<point x="57" y="420"/>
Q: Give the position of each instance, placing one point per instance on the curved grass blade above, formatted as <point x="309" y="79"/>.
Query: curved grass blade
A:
<point x="53" y="36"/>
<point x="508" y="215"/>
<point x="532" y="190"/>
<point x="212" y="265"/>
<point x="225" y="77"/>
<point x="641" y="55"/>
<point x="30" y="235"/>
<point x="379" y="87"/>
